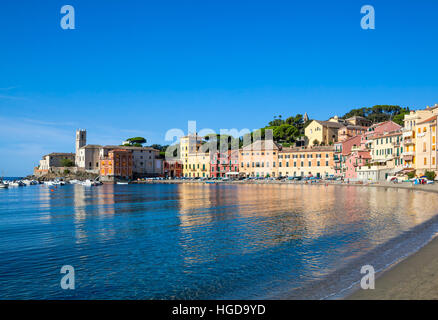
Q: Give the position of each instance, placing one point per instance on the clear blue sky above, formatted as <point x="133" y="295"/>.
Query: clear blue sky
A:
<point x="142" y="67"/>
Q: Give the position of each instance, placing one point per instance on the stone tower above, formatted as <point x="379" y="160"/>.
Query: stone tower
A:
<point x="81" y="140"/>
<point x="305" y="118"/>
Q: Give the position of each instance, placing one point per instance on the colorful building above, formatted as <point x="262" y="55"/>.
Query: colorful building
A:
<point x="172" y="168"/>
<point x="349" y="131"/>
<point x="303" y="162"/>
<point x="259" y="159"/>
<point x="323" y="132"/>
<point x="386" y="157"/>
<point x="117" y="165"/>
<point x="198" y="165"/>
<point x="355" y="162"/>
<point x="188" y="149"/>
<point x="410" y="135"/>
<point x="343" y="150"/>
<point x="426" y="142"/>
<point x="224" y="164"/>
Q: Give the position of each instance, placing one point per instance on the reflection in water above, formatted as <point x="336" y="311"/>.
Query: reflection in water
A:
<point x="193" y="241"/>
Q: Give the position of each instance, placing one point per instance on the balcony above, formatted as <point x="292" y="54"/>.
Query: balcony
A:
<point x="407" y="134"/>
<point x="408" y="141"/>
<point x="408" y="153"/>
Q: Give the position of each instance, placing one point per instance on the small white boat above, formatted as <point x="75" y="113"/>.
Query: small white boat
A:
<point x="16" y="184"/>
<point x="87" y="183"/>
<point x="3" y="185"/>
<point x="122" y="182"/>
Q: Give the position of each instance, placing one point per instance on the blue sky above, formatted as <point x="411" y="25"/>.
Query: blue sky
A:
<point x="142" y="67"/>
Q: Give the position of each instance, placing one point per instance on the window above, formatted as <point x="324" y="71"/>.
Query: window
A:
<point x="425" y="161"/>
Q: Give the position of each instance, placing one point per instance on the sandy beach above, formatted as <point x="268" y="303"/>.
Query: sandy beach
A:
<point x="415" y="278"/>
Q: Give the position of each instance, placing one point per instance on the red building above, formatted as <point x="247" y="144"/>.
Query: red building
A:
<point x="172" y="168"/>
<point x="222" y="163"/>
<point x="118" y="164"/>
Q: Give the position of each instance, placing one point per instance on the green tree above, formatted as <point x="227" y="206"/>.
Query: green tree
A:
<point x="136" y="141"/>
<point x="67" y="163"/>
<point x="379" y="113"/>
<point x="430" y="175"/>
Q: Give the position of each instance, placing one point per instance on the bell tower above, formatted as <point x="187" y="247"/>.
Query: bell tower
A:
<point x="81" y="140"/>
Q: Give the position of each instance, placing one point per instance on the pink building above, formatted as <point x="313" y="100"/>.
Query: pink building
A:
<point x="222" y="163"/>
<point x="382" y="127"/>
<point x="355" y="160"/>
<point x="350" y="131"/>
<point x="343" y="150"/>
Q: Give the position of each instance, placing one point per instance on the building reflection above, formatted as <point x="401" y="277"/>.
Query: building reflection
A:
<point x="242" y="219"/>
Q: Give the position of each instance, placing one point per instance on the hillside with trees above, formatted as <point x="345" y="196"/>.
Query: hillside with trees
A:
<point x="380" y="113"/>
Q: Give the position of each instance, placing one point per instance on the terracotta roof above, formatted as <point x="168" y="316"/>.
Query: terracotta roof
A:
<point x="313" y="149"/>
<point x="130" y="148"/>
<point x="350" y="126"/>
<point x="331" y="124"/>
<point x="388" y="134"/>
<point x="428" y="119"/>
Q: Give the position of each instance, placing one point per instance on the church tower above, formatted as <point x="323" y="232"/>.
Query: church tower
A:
<point x="305" y="118"/>
<point x="81" y="140"/>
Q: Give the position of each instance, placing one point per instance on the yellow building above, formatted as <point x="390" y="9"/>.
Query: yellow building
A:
<point x="411" y="149"/>
<point x="386" y="151"/>
<point x="316" y="161"/>
<point x="259" y="159"/>
<point x="323" y="132"/>
<point x="193" y="162"/>
<point x="188" y="149"/>
<point x="426" y="151"/>
<point x="198" y="166"/>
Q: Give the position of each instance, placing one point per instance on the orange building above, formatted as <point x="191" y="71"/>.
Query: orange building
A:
<point x="118" y="164"/>
<point x="172" y="168"/>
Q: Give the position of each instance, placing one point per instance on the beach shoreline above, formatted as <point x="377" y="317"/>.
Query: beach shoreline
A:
<point x="413" y="278"/>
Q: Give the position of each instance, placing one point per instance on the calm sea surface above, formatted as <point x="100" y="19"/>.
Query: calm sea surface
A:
<point x="196" y="241"/>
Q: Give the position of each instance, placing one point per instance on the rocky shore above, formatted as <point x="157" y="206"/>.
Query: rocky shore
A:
<point x="65" y="177"/>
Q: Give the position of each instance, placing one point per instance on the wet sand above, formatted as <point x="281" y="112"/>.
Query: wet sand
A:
<point x="415" y="278"/>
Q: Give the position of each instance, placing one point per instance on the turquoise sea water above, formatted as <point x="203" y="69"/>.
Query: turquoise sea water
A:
<point x="197" y="241"/>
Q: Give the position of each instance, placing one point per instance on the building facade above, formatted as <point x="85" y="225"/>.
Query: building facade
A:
<point x="304" y="162"/>
<point x="323" y="132"/>
<point x="118" y="164"/>
<point x="259" y="159"/>
<point x="172" y="168"/>
<point x="55" y="159"/>
<point x="426" y="142"/>
<point x="224" y="164"/>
